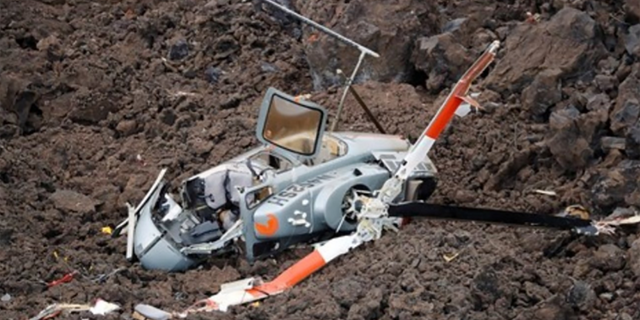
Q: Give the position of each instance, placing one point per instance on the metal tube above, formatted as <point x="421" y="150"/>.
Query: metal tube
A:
<point x="363" y="105"/>
<point x="346" y="89"/>
<point x="367" y="111"/>
<point x="363" y="49"/>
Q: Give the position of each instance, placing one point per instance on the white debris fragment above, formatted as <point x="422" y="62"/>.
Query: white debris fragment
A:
<point x="103" y="307"/>
<point x="545" y="192"/>
<point x="6" y="297"/>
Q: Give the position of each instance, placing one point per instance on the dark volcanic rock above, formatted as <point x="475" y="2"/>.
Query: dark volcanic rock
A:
<point x="179" y="50"/>
<point x="68" y="200"/>
<point x="627" y="108"/>
<point x="633" y="257"/>
<point x="569" y="42"/>
<point x="632" y="7"/>
<point x="543" y="92"/>
<point x="608" y="143"/>
<point x="442" y="58"/>
<point x="632" y="41"/>
<point x="386" y="27"/>
<point x="615" y="187"/>
<point x="581" y="295"/>
<point x="632" y="141"/>
<point x="571" y="138"/>
<point x="608" y="258"/>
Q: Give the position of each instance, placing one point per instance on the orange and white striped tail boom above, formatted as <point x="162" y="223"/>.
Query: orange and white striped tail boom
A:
<point x="444" y="115"/>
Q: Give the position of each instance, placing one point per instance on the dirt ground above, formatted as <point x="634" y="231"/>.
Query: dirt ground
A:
<point x="97" y="97"/>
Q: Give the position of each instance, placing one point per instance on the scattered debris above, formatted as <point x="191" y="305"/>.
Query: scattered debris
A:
<point x="576" y="211"/>
<point x="104" y="277"/>
<point x="622" y="213"/>
<point x="532" y="18"/>
<point x="106" y="230"/>
<point x="65" y="279"/>
<point x="140" y="160"/>
<point x="545" y="192"/>
<point x="147" y="312"/>
<point x="55" y="310"/>
<point x="102" y="307"/>
<point x="450" y="257"/>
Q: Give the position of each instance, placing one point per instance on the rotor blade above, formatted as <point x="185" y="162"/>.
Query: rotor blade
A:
<point x="436" y="211"/>
<point x="445" y="113"/>
<point x="236" y="295"/>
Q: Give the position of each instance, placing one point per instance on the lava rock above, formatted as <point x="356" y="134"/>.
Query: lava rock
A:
<point x="464" y="196"/>
<point x="624" y="117"/>
<point x="488" y="287"/>
<point x="612" y="187"/>
<point x="632" y="7"/>
<point x="231" y="102"/>
<point x="608" y="143"/>
<point x="91" y="108"/>
<point x="627" y="107"/>
<point x="569" y="42"/>
<point x="68" y="200"/>
<point x="599" y="102"/>
<point x="570" y="142"/>
<point x="212" y="74"/>
<point x="543" y="92"/>
<point x="633" y="141"/>
<point x="453" y="25"/>
<point x="581" y="296"/>
<point x="127" y="127"/>
<point x="606" y="83"/>
<point x="632" y="41"/>
<point x="383" y="26"/>
<point x="179" y="50"/>
<point x="168" y="116"/>
<point x="633" y="257"/>
<point x="608" y="258"/>
<point x="52" y="46"/>
<point x="442" y="58"/>
<point x="552" y="309"/>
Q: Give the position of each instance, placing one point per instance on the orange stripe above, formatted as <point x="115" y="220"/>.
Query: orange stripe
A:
<point x="444" y="116"/>
<point x="292" y="276"/>
<point x="460" y="90"/>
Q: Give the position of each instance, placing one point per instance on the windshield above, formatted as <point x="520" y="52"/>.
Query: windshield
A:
<point x="292" y="126"/>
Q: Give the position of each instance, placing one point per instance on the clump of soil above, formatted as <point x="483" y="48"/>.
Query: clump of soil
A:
<point x="97" y="97"/>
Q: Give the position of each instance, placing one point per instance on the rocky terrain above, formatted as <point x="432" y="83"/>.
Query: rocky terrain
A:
<point x="97" y="97"/>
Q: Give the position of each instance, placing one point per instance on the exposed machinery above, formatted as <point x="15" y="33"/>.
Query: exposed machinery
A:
<point x="305" y="185"/>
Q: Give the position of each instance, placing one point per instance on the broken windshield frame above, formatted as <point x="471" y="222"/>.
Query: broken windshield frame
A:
<point x="291" y="124"/>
